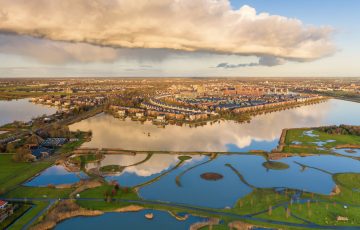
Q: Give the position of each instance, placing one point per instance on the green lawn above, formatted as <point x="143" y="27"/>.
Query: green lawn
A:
<point x="298" y="135"/>
<point x="99" y="192"/>
<point x="309" y="150"/>
<point x="184" y="158"/>
<point x="326" y="213"/>
<point x="275" y="165"/>
<point x="71" y="146"/>
<point x="13" y="173"/>
<point x="112" y="168"/>
<point x="39" y="192"/>
<point x="216" y="227"/>
<point x="280" y="215"/>
<point x="88" y="158"/>
<point x="348" y="180"/>
<point x="258" y="200"/>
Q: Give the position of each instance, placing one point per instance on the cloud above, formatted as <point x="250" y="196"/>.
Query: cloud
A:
<point x="263" y="61"/>
<point x="270" y="61"/>
<point x="226" y="65"/>
<point x="59" y="52"/>
<point x="51" y="52"/>
<point x="186" y="25"/>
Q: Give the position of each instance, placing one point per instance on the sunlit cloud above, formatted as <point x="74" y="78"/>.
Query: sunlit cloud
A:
<point x="88" y="31"/>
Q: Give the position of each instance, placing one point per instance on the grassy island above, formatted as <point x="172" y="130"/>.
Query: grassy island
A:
<point x="211" y="176"/>
<point x="275" y="165"/>
<point x="111" y="169"/>
<point x="184" y="158"/>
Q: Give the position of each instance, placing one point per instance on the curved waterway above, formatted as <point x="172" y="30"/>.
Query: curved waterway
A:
<point x="129" y="220"/>
<point x="261" y="133"/>
<point x="22" y="110"/>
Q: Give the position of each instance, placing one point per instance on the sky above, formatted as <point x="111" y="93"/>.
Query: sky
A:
<point x="179" y="38"/>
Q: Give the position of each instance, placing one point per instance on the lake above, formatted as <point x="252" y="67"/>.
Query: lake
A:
<point x="129" y="220"/>
<point x="170" y="182"/>
<point x="261" y="133"/>
<point x="22" y="110"/>
<point x="55" y="175"/>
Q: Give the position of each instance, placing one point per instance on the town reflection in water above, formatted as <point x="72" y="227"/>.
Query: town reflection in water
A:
<point x="261" y="133"/>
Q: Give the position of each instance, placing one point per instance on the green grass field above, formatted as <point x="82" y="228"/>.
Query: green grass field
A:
<point x="348" y="180"/>
<point x="280" y="215"/>
<point x="326" y="213"/>
<point x="258" y="200"/>
<point x="14" y="173"/>
<point x="39" y="192"/>
<point x="99" y="192"/>
<point x="275" y="165"/>
<point x="71" y="146"/>
<point x="298" y="135"/>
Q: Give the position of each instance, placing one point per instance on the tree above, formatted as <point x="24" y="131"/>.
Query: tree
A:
<point x="23" y="154"/>
<point x="288" y="212"/>
<point x="11" y="147"/>
<point x="270" y="210"/>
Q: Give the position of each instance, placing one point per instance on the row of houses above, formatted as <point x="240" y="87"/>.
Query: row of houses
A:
<point x="253" y="91"/>
<point x="159" y="103"/>
<point x="160" y="114"/>
<point x="122" y="111"/>
<point x="70" y="102"/>
<point x="155" y="110"/>
<point x="6" y="210"/>
<point x="276" y="104"/>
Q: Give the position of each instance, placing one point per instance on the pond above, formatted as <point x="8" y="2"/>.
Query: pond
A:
<point x="163" y="178"/>
<point x="129" y="220"/>
<point x="55" y="175"/>
<point x="261" y="133"/>
<point x="22" y="110"/>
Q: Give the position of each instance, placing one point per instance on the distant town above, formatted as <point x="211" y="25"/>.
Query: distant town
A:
<point x="37" y="144"/>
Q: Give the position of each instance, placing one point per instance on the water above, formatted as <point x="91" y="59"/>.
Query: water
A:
<point x="356" y="152"/>
<point x="226" y="192"/>
<point x="135" y="175"/>
<point x="55" y="175"/>
<point x="129" y="220"/>
<point x="262" y="133"/>
<point x="22" y="110"/>
<point x="193" y="190"/>
<point x="184" y="184"/>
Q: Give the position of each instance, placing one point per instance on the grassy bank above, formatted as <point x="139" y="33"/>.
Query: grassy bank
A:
<point x="14" y="173"/>
<point x="298" y="135"/>
<point x="29" y="215"/>
<point x="39" y="192"/>
<point x="314" y="141"/>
